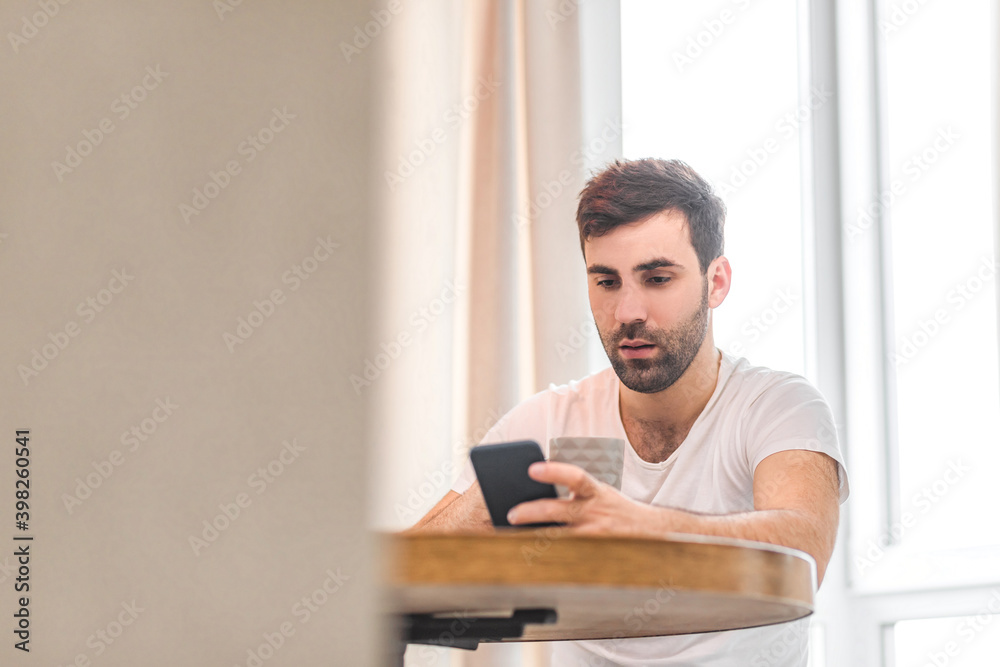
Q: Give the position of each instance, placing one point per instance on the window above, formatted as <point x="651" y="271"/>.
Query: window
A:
<point x="918" y="186"/>
<point x="931" y="217"/>
<point x="965" y="641"/>
<point x="937" y="141"/>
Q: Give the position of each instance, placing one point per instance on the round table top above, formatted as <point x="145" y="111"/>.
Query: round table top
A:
<point x="601" y="587"/>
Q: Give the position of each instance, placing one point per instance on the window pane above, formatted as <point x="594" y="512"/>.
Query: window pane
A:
<point x="967" y="641"/>
<point x="716" y="84"/>
<point x="937" y="201"/>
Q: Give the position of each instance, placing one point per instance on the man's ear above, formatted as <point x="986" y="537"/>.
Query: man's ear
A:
<point x="719" y="276"/>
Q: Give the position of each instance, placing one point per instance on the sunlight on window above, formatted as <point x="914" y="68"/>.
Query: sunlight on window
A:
<point x="966" y="641"/>
<point x="938" y="202"/>
<point x="716" y="84"/>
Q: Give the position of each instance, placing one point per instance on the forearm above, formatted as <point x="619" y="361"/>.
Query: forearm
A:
<point x="438" y="520"/>
<point x="455" y="513"/>
<point x="427" y="522"/>
<point x="801" y="512"/>
<point x="784" y="527"/>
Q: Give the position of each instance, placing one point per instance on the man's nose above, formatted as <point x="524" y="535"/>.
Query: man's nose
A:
<point x="630" y="306"/>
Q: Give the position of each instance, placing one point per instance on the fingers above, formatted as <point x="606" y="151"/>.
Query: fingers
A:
<point x="582" y="487"/>
<point x="575" y="478"/>
<point x="544" y="511"/>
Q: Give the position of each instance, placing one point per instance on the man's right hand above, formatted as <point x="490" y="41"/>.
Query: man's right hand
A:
<point x="457" y="513"/>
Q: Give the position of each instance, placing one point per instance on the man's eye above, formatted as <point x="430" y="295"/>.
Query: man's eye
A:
<point x="659" y="280"/>
<point x="606" y="283"/>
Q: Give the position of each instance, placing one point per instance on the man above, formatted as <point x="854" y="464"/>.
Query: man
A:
<point x="716" y="446"/>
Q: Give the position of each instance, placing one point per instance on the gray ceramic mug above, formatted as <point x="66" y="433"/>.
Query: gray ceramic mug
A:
<point x="601" y="457"/>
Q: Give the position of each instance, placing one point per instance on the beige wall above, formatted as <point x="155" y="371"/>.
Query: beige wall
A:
<point x="159" y="337"/>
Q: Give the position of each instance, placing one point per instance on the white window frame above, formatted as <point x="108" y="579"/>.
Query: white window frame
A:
<point x="859" y="618"/>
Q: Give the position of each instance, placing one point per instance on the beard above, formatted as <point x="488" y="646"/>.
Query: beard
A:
<point x="677" y="348"/>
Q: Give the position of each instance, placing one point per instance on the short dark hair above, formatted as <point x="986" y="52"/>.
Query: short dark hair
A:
<point x="632" y="190"/>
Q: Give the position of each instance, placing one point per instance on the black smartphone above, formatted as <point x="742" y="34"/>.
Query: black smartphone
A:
<point x="502" y="470"/>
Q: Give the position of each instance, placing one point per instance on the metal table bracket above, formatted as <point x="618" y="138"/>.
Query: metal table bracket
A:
<point x="466" y="632"/>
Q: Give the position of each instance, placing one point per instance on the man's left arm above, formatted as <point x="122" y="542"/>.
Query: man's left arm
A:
<point x="796" y="505"/>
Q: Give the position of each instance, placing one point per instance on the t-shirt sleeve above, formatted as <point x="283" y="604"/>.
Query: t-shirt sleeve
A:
<point x="526" y="421"/>
<point x="793" y="414"/>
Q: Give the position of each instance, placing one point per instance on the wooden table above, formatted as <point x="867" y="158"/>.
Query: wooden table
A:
<point x="599" y="587"/>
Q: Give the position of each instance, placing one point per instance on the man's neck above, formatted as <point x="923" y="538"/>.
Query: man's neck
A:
<point x="657" y="423"/>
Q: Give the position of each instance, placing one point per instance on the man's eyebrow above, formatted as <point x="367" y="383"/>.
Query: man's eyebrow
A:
<point x="600" y="268"/>
<point x="658" y="263"/>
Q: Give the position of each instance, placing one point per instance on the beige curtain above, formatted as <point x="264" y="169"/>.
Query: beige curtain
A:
<point x="520" y="256"/>
<point x="483" y="293"/>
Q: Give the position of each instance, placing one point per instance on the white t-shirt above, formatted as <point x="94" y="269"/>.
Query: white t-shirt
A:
<point x="754" y="412"/>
